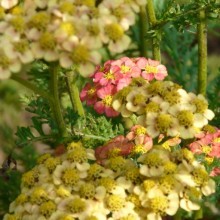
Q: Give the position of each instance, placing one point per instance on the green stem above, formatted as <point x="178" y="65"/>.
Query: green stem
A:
<point x="56" y="106"/>
<point x="153" y="21"/>
<point x="31" y="86"/>
<point x="143" y="31"/>
<point x="202" y="53"/>
<point x="74" y="94"/>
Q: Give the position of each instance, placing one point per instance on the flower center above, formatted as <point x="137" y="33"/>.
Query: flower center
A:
<point x="80" y="54"/>
<point x="47" y="41"/>
<point x="206" y="149"/>
<point x="2" y="13"/>
<point x="152" y="160"/>
<point x="93" y="29"/>
<point x="108" y="183"/>
<point x="89" y="3"/>
<point x="115" y="202"/>
<point x="185" y="118"/>
<point x="4" y="61"/>
<point x="163" y="122"/>
<point x="107" y="100"/>
<point x="187" y="154"/>
<point x="40" y="21"/>
<point x="47" y="208"/>
<point x="70" y="176"/>
<point x="21" y="199"/>
<point x="91" y="92"/>
<point x="18" y="23"/>
<point x="87" y="191"/>
<point x="38" y="195"/>
<point x="125" y="69"/>
<point x="138" y="149"/>
<point x="78" y="156"/>
<point x="67" y="8"/>
<point x="170" y="167"/>
<point x="17" y="10"/>
<point x="140" y="130"/>
<point x="159" y="205"/>
<point x="132" y="174"/>
<point x="155" y="88"/>
<point x="66" y="217"/>
<point x="151" y="69"/>
<point x="63" y="192"/>
<point x="114" y="31"/>
<point x="167" y="183"/>
<point x="173" y="97"/>
<point x="94" y="171"/>
<point x="152" y="107"/>
<point x="21" y="46"/>
<point x="148" y="185"/>
<point x="114" y="152"/>
<point x="51" y="163"/>
<point x="200" y="176"/>
<point x="76" y="205"/>
<point x="139" y="99"/>
<point x="118" y="13"/>
<point x="117" y="163"/>
<point x="43" y="158"/>
<point x="68" y="28"/>
<point x="109" y="75"/>
<point x="201" y="105"/>
<point x="29" y="178"/>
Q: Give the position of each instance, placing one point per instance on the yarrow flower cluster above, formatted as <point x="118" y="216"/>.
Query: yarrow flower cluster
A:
<point x="207" y="147"/>
<point x="134" y="88"/>
<point x="75" y="186"/>
<point x="70" y="32"/>
<point x="117" y="75"/>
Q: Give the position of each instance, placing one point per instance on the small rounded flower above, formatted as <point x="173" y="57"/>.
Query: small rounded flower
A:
<point x="151" y="69"/>
<point x="105" y="105"/>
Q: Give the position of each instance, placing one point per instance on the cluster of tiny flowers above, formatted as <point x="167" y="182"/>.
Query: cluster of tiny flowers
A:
<point x="70" y="32"/>
<point x="72" y="186"/>
<point x="114" y="77"/>
<point x="207" y="145"/>
<point x="126" y="179"/>
<point x="135" y="89"/>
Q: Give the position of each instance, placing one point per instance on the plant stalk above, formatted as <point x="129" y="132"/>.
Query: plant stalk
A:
<point x="143" y="31"/>
<point x="152" y="22"/>
<point x="74" y="94"/>
<point x="31" y="86"/>
<point x="56" y="106"/>
<point x="202" y="53"/>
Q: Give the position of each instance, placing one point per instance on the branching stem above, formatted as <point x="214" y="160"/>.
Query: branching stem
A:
<point x="31" y="86"/>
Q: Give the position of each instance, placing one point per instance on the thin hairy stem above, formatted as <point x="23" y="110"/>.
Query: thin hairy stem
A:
<point x="56" y="105"/>
<point x="202" y="53"/>
<point x="153" y="21"/>
<point x="143" y="31"/>
<point x="74" y="94"/>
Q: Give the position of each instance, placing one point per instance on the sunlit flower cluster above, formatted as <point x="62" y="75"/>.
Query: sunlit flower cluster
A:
<point x="117" y="75"/>
<point x="70" y="32"/>
<point x="129" y="185"/>
<point x="135" y="89"/>
<point x="207" y="147"/>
